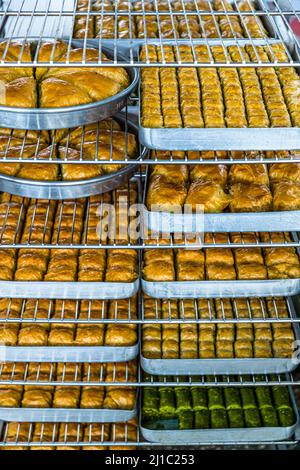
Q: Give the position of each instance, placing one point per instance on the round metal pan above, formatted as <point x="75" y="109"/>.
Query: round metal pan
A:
<point x="70" y="116"/>
<point x="72" y="189"/>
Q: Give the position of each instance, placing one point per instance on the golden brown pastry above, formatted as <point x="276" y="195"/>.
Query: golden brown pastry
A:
<point x="286" y="196"/>
<point x="10" y="396"/>
<point x="66" y="397"/>
<point x="165" y="195"/>
<point x="208" y="196"/>
<point x="92" y="397"/>
<point x="250" y="198"/>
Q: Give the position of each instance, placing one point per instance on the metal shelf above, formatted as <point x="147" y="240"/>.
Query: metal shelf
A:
<point x="11" y="233"/>
<point x="131" y="112"/>
<point x="8" y="316"/>
<point x="38" y="19"/>
<point x="18" y="374"/>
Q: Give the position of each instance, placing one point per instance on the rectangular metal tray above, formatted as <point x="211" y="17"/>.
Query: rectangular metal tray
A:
<point x="71" y="415"/>
<point x="68" y="290"/>
<point x="69" y="353"/>
<point x="229" y="138"/>
<point x="168" y="222"/>
<point x="231" y="366"/>
<point x="202" y="436"/>
<point x="215" y="289"/>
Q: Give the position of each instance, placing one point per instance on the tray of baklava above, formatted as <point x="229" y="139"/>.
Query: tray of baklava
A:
<point x="67" y="273"/>
<point x="222" y="272"/>
<point x="68" y="436"/>
<point x="112" y="139"/>
<point x="169" y="21"/>
<point x="70" y="339"/>
<point x="61" y="97"/>
<point x="212" y="108"/>
<point x="219" y="348"/>
<point x="47" y="403"/>
<point x="218" y="414"/>
<point x="215" y="198"/>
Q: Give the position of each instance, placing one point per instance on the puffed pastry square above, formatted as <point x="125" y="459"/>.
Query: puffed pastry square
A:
<point x="207" y="196"/>
<point x="251" y="271"/>
<point x="282" y="348"/>
<point x="37" y="397"/>
<point x="120" y="335"/>
<point x="250" y="198"/>
<point x="262" y="348"/>
<point x="170" y="349"/>
<point x="206" y="350"/>
<point x="243" y="348"/>
<point x="215" y="173"/>
<point x="90" y="335"/>
<point x="9" y="334"/>
<point x="165" y="195"/>
<point x="92" y="397"/>
<point x="66" y="397"/>
<point x="159" y="271"/>
<point x="10" y="395"/>
<point x="120" y="398"/>
<point x="33" y="335"/>
<point x="248" y="174"/>
<point x="60" y="336"/>
<point x="152" y="348"/>
<point x="224" y="349"/>
<point x="220" y="272"/>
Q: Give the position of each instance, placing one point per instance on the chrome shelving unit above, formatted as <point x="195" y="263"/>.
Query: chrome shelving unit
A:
<point x="25" y="20"/>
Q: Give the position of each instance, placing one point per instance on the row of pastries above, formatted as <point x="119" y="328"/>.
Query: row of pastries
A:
<point x="219" y="97"/>
<point x="168" y="26"/>
<point x="87" y="396"/>
<point x="100" y="141"/>
<point x="238" y="188"/>
<point x="67" y="334"/>
<point x="55" y="87"/>
<point x="223" y="263"/>
<point x="69" y="433"/>
<point x="221" y="340"/>
<point x="64" y="223"/>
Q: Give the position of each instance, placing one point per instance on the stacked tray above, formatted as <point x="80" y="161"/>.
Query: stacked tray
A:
<point x="76" y="188"/>
<point x="66" y="117"/>
<point x="167" y="430"/>
<point x="58" y="403"/>
<point x="217" y="364"/>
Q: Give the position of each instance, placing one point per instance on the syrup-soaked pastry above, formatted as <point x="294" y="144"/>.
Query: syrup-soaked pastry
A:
<point x="286" y="196"/>
<point x="165" y="195"/>
<point x="208" y="196"/>
<point x="250" y="198"/>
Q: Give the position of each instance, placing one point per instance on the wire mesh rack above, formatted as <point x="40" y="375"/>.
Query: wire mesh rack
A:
<point x="71" y="375"/>
<point x="24" y="147"/>
<point x="110" y="230"/>
<point x="127" y="25"/>
<point x="26" y="436"/>
<point x="9" y="315"/>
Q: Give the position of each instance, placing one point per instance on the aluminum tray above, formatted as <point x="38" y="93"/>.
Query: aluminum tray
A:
<point x="69" y="353"/>
<point x="71" y="189"/>
<point x="224" y="366"/>
<point x="215" y="289"/>
<point x="57" y="415"/>
<point x="73" y="116"/>
<point x="202" y="436"/>
<point x="68" y="290"/>
<point x="168" y="222"/>
<point x="222" y="138"/>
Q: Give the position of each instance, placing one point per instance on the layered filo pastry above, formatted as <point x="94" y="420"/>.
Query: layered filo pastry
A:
<point x="57" y="86"/>
<point x="219" y="97"/>
<point x="214" y="188"/>
<point x="223" y="340"/>
<point x="218" y="263"/>
<point x="68" y="222"/>
<point x="40" y="395"/>
<point x="102" y="141"/>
